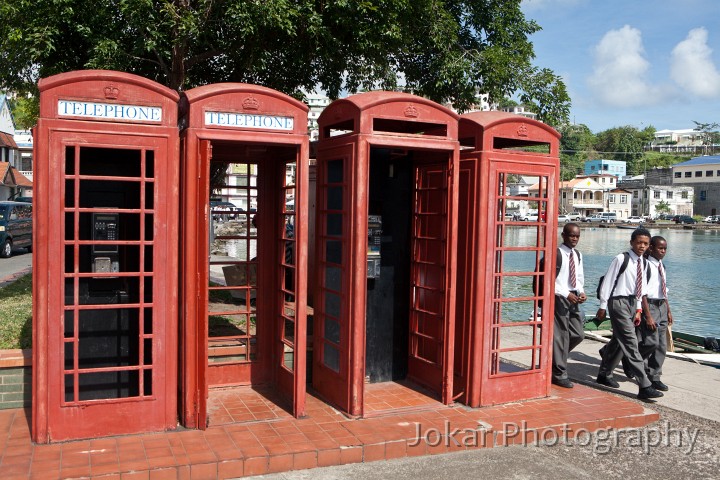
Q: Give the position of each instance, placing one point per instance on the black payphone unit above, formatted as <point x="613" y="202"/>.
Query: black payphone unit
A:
<point x="374" y="242"/>
<point x="105" y="256"/>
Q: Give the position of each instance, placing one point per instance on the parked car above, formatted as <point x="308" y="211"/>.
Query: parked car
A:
<point x="224" y="207"/>
<point x="684" y="219"/>
<point x="574" y="217"/>
<point x="634" y="219"/>
<point x="563" y="219"/>
<point x="15" y="227"/>
<point x="602" y="217"/>
<point x="712" y="219"/>
<point x="529" y="216"/>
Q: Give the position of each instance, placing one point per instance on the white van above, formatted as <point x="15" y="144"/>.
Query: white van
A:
<point x="607" y="217"/>
<point x="603" y="217"/>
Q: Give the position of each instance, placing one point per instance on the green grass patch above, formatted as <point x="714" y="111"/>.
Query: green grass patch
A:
<point x="16" y="314"/>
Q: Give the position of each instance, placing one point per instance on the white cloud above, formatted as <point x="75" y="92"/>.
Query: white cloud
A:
<point x="620" y="70"/>
<point x="692" y="67"/>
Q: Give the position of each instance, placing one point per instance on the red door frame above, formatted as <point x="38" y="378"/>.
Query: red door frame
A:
<point x="242" y="103"/>
<point x="370" y="118"/>
<point x="488" y="137"/>
<point x="94" y="121"/>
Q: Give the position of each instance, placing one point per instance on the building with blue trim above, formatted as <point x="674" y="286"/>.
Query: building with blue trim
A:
<point x="603" y="166"/>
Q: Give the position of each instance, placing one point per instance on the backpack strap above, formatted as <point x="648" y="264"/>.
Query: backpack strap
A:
<point x="558" y="262"/>
<point x="623" y="267"/>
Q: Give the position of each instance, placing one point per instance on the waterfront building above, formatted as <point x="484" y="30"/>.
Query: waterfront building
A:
<point x="520" y="110"/>
<point x="703" y="174"/>
<point x="317" y="104"/>
<point x="612" y="167"/>
<point x="686" y="140"/>
<point x="620" y="202"/>
<point x="646" y="196"/>
<point x="583" y="195"/>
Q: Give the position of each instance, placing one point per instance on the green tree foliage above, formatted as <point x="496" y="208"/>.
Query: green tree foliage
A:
<point x="25" y="111"/>
<point x="626" y="144"/>
<point x="547" y="96"/>
<point x="662" y="207"/>
<point x="445" y="50"/>
<point x="576" y="147"/>
<point x="709" y="135"/>
<point x="664" y="159"/>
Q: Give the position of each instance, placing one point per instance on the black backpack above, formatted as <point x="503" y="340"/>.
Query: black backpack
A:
<point x="538" y="279"/>
<point x="623" y="267"/>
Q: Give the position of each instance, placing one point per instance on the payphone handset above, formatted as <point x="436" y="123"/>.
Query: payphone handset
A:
<point x="374" y="242"/>
<point x="105" y="258"/>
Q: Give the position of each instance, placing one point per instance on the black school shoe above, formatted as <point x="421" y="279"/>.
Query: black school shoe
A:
<point x="658" y="385"/>
<point x="608" y="382"/>
<point x="648" y="392"/>
<point x="562" y="382"/>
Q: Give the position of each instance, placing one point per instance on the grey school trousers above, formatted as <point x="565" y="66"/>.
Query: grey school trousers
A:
<point x="623" y="342"/>
<point x="653" y="343"/>
<point x="567" y="334"/>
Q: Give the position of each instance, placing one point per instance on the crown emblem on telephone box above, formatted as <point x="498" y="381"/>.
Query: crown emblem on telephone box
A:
<point x="411" y="112"/>
<point x="111" y="92"/>
<point x="251" y="103"/>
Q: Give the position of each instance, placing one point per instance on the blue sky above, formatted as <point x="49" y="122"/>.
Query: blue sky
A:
<point x="633" y="62"/>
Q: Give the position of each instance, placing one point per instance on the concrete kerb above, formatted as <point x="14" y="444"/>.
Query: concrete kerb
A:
<point x="8" y="279"/>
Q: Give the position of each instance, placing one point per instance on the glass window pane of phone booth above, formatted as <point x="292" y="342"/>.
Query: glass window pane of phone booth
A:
<point x="233" y="265"/>
<point x="108" y="279"/>
<point x="519" y="245"/>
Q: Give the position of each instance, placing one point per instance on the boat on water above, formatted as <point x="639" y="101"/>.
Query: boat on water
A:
<point x="704" y="350"/>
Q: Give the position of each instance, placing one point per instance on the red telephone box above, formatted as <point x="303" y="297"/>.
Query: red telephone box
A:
<point x="244" y="243"/>
<point x="105" y="262"/>
<point x="385" y="246"/>
<point x="508" y="162"/>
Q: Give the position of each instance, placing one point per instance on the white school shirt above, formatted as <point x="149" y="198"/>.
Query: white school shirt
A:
<point x="625" y="282"/>
<point x="654" y="284"/>
<point x="562" y="281"/>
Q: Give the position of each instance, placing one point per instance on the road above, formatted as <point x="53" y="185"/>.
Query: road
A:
<point x="18" y="262"/>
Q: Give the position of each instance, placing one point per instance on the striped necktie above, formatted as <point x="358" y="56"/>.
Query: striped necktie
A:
<point x="571" y="277"/>
<point x="663" y="285"/>
<point x="638" y="279"/>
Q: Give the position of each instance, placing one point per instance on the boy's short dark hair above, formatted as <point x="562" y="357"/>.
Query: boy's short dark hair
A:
<point x="657" y="238"/>
<point x="640" y="232"/>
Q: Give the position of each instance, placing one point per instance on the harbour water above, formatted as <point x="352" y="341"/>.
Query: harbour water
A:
<point x="693" y="272"/>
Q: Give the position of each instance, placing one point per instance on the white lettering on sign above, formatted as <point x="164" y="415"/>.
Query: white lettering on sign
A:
<point x="246" y="120"/>
<point x="112" y="111"/>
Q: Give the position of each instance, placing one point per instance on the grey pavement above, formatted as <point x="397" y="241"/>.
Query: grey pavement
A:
<point x="694" y="388"/>
<point x="684" y="443"/>
<point x="18" y="264"/>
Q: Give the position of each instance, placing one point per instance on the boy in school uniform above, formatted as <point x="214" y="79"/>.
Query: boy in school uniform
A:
<point x="569" y="294"/>
<point x="621" y="293"/>
<point x="653" y="342"/>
